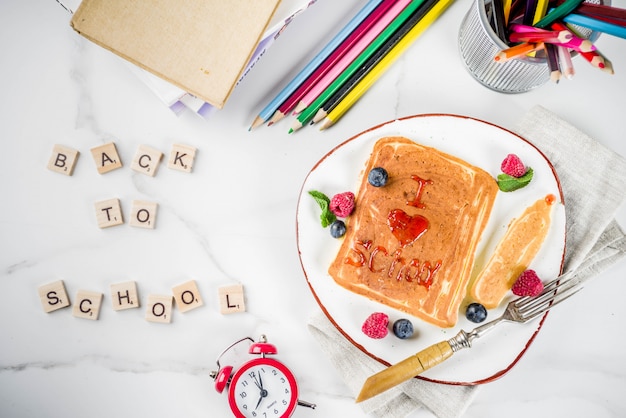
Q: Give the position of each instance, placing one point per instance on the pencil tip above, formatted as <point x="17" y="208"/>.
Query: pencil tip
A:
<point x="327" y="123"/>
<point x="290" y="131"/>
<point x="258" y="121"/>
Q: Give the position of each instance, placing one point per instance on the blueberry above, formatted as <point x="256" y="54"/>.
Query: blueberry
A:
<point x="377" y="177"/>
<point x="338" y="229"/>
<point x="403" y="328"/>
<point x="476" y="312"/>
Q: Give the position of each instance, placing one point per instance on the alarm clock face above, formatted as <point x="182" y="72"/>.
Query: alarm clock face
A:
<point x="263" y="388"/>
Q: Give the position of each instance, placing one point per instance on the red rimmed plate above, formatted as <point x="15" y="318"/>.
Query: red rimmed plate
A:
<point x="480" y="143"/>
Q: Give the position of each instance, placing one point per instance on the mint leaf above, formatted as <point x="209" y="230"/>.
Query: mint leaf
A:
<point x="326" y="217"/>
<point x="508" y="183"/>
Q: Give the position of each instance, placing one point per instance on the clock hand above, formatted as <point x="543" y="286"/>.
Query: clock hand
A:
<point x="263" y="395"/>
<point x="258" y="382"/>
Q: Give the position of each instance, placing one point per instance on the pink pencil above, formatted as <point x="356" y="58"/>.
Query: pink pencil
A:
<point x="336" y="55"/>
<point x="347" y="59"/>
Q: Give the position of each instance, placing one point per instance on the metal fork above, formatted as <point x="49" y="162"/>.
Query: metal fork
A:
<point x="520" y="310"/>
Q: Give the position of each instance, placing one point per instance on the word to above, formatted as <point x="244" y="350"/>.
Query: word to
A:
<point x="124" y="295"/>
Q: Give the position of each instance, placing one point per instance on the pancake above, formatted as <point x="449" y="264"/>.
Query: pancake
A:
<point x="411" y="244"/>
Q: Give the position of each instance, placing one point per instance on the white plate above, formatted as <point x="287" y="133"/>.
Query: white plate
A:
<point x="481" y="144"/>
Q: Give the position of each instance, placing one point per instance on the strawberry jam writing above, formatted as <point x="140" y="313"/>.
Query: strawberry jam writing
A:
<point x="378" y="260"/>
<point x="417" y="200"/>
<point x="406" y="228"/>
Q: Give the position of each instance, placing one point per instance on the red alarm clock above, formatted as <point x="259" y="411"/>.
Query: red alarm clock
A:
<point x="261" y="387"/>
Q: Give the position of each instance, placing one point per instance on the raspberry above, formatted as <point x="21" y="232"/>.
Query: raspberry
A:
<point x="513" y="166"/>
<point x="375" y="326"/>
<point x="342" y="204"/>
<point x="527" y="284"/>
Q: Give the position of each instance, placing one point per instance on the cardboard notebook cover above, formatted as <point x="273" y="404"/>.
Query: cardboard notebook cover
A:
<point x="201" y="46"/>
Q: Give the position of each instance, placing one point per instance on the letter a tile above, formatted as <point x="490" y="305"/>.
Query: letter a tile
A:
<point x="106" y="158"/>
<point x="53" y="296"/>
<point x="63" y="159"/>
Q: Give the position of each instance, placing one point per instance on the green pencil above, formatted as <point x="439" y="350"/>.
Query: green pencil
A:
<point x="308" y="113"/>
<point x="558" y="12"/>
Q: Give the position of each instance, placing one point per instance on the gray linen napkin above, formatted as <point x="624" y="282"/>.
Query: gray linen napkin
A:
<point x="592" y="179"/>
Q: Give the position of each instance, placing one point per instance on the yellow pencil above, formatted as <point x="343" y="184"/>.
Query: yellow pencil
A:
<point x="362" y="86"/>
<point x="507" y="10"/>
<point x="540" y="11"/>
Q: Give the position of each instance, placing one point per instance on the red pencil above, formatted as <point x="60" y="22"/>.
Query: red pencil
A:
<point x="341" y="50"/>
<point x="597" y="60"/>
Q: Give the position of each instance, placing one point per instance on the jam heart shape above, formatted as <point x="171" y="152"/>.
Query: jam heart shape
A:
<point x="406" y="228"/>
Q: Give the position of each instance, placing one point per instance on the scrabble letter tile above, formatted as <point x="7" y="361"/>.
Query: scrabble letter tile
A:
<point x="182" y="157"/>
<point x="87" y="305"/>
<point x="53" y="296"/>
<point x="106" y="157"/>
<point x="187" y="296"/>
<point x="159" y="309"/>
<point x="146" y="160"/>
<point x="231" y="299"/>
<point x="143" y="214"/>
<point x="63" y="160"/>
<point x="109" y="213"/>
<point x="124" y="296"/>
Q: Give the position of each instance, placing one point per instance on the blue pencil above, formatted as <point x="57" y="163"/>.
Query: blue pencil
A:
<point x="596" y="25"/>
<point x="271" y="107"/>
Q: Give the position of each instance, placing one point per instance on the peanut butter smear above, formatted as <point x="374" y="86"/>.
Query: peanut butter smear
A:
<point x="513" y="254"/>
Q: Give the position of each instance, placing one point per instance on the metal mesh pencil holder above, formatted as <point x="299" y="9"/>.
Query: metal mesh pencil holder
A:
<point x="479" y="44"/>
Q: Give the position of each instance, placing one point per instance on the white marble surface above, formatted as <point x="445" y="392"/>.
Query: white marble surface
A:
<point x="232" y="221"/>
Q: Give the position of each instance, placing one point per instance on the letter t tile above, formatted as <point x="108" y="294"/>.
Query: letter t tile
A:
<point x="109" y="213"/>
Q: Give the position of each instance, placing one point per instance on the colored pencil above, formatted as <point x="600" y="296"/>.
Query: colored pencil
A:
<point x="609" y="19"/>
<point x="351" y="55"/>
<point x="507" y="10"/>
<point x="544" y="36"/>
<point x="529" y="12"/>
<point x="565" y="61"/>
<point x="596" y="25"/>
<point x="558" y="13"/>
<point x="576" y="43"/>
<point x="517" y="51"/>
<point x="598" y="60"/>
<point x="553" y="62"/>
<point x="349" y="43"/>
<point x="307" y="114"/>
<point x="385" y="63"/>
<point x="499" y="24"/>
<point x="540" y="10"/>
<point x="271" y="107"/>
<point x="600" y="10"/>
<point x="362" y="71"/>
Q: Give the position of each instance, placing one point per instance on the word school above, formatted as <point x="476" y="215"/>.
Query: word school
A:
<point x="87" y="304"/>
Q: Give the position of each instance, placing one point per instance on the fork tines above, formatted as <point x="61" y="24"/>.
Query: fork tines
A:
<point x="553" y="293"/>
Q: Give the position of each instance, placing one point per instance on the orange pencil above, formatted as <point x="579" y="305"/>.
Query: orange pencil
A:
<point x="517" y="51"/>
